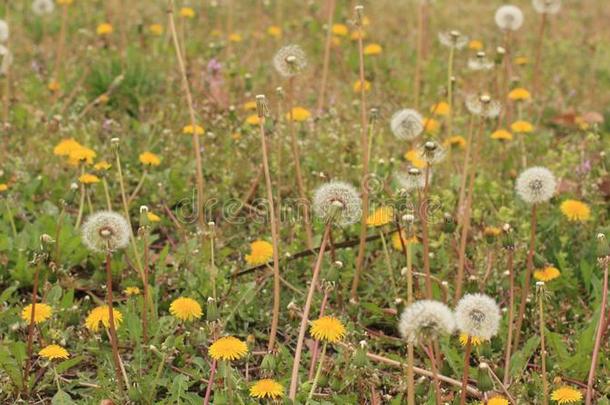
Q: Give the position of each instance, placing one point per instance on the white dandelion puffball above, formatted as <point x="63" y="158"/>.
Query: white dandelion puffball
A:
<point x="478" y="315"/>
<point x="407" y="124"/>
<point x="337" y="202"/>
<point x="106" y="230"/>
<point x="536" y="185"/>
<point x="3" y="31"/>
<point x="547" y="6"/>
<point x="480" y="62"/>
<point x="42" y="7"/>
<point x="290" y="60"/>
<point x="413" y="179"/>
<point x="426" y="319"/>
<point x="483" y="105"/>
<point x="453" y="39"/>
<point x="432" y="152"/>
<point x="509" y="17"/>
<point x="6" y="59"/>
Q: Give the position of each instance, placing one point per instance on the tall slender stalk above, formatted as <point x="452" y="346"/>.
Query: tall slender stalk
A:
<point x="406" y="248"/>
<point x="511" y="313"/>
<point x="423" y="215"/>
<point x="31" y="325"/>
<point x="450" y="91"/>
<point x="467" y="351"/>
<point x="114" y="341"/>
<point x="600" y="332"/>
<point x="538" y="57"/>
<point x="208" y="390"/>
<point x="528" y="279"/>
<point x="545" y="382"/>
<point x="330" y="4"/>
<point x="421" y="15"/>
<point x="146" y="296"/>
<point x="261" y="106"/>
<point x="304" y="319"/>
<point x="437" y="383"/>
<point x="314" y="384"/>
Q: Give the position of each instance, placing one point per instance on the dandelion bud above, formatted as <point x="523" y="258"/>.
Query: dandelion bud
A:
<point x="547" y="6"/>
<point x="261" y="105"/>
<point x="269" y="363"/>
<point x="279" y="91"/>
<point x="143" y="209"/>
<point x="359" y="14"/>
<point x="73" y="186"/>
<point x="338" y="263"/>
<point x="483" y="365"/>
<point x="212" y="310"/>
<point x="46" y="239"/>
<point x="539" y="284"/>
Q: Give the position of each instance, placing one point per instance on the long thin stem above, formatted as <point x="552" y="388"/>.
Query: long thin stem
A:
<point x="314" y="351"/>
<point x="511" y="315"/>
<point x="106" y="194"/>
<point x="314" y="384"/>
<point x="465" y="169"/>
<point x="467" y="350"/>
<point x="365" y="163"/>
<point x="388" y="263"/>
<point x="81" y="203"/>
<point x="312" y="287"/>
<point x="450" y="92"/>
<point x="145" y="298"/>
<point x="274" y="231"/>
<point x="545" y="383"/>
<point x="208" y="390"/>
<point x="114" y="341"/>
<point x="11" y="218"/>
<point x="135" y="192"/>
<point x="528" y="279"/>
<point x="599" y="335"/>
<point x="423" y="215"/>
<point x="321" y="96"/>
<point x="189" y="100"/>
<point x="437" y="384"/>
<point x="538" y="58"/>
<point x="421" y="12"/>
<point x="26" y="370"/>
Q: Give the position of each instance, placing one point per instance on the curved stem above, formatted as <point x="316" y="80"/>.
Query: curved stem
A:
<point x="511" y="315"/>
<point x="467" y="350"/>
<point x="114" y="342"/>
<point x="545" y="383"/>
<point x="318" y="372"/>
<point x="208" y="390"/>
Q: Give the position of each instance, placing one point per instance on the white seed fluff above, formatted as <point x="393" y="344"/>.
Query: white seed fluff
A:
<point x="478" y="315"/>
<point x="290" y="60"/>
<point x="536" y="185"/>
<point x="6" y="59"/>
<point x="453" y="39"/>
<point x="105" y="230"/>
<point x="509" y="17"/>
<point x="4" y="31"/>
<point x="426" y="319"/>
<point x="42" y="7"/>
<point x="338" y="202"/>
<point x="407" y="124"/>
<point x="413" y="179"/>
<point x="547" y="6"/>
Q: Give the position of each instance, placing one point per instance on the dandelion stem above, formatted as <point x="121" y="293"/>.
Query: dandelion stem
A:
<point x="114" y="342"/>
<point x="511" y="314"/>
<point x="467" y="350"/>
<point x="81" y="203"/>
<point x="274" y="230"/>
<point x="145" y="298"/>
<point x="312" y="287"/>
<point x="26" y="370"/>
<point x="423" y="215"/>
<point x="538" y="58"/>
<point x="450" y="91"/>
<point x="545" y="383"/>
<point x="465" y="168"/>
<point x="421" y="12"/>
<point x="437" y="384"/>
<point x="599" y="334"/>
<point x="135" y="192"/>
<point x="528" y="279"/>
<point x="228" y="383"/>
<point x="11" y="218"/>
<point x="106" y="193"/>
<point x="208" y="390"/>
<point x="388" y="263"/>
<point x="318" y="372"/>
<point x="316" y="343"/>
<point x="330" y="4"/>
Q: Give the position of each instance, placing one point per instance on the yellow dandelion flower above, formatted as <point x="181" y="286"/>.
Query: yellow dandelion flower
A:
<point x="519" y="94"/>
<point x="187" y="12"/>
<point x="358" y="86"/>
<point x="522" y="127"/>
<point x="274" y="31"/>
<point x="253" y="119"/>
<point x="497" y="400"/>
<point x="299" y="114"/>
<point x="101" y="316"/>
<point x="327" y="328"/>
<point x="441" y="109"/>
<point x="87" y="178"/>
<point x="185" y="309"/>
<point x="335" y="41"/>
<point x="521" y="60"/>
<point x="3" y="187"/>
<point x="228" y="348"/>
<point x="566" y="395"/>
<point x="415" y="159"/>
<point x="42" y="312"/>
<point x="356" y="35"/>
<point x="373" y="49"/>
<point x="547" y="274"/>
<point x="188" y="129"/>
<point x="431" y="125"/>
<point x="397" y="244"/>
<point x="455" y="141"/>
<point x="235" y="37"/>
<point x="65" y="146"/>
<point x="260" y="253"/>
<point x="492" y="231"/>
<point x="249" y="105"/>
<point x="150" y="159"/>
<point x="102" y="166"/>
<point x="340" y="30"/>
<point x="81" y="155"/>
<point x="267" y="388"/>
<point x="152" y="217"/>
<point x="52" y="352"/>
<point x="576" y="211"/>
<point x="53" y="86"/>
<point x="64" y="2"/>
<point x="380" y="217"/>
<point x="155" y="29"/>
<point x="129" y="291"/>
<point x="474" y="340"/>
<point x="475" y="45"/>
<point x="104" y="29"/>
<point x="502" y="135"/>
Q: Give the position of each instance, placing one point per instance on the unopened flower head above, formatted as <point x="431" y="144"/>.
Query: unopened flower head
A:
<point x="483" y="105"/>
<point x="478" y="315"/>
<point x="425" y="320"/>
<point x="453" y="39"/>
<point x="290" y="60"/>
<point x="480" y="62"/>
<point x="337" y="202"/>
<point x="509" y="17"/>
<point x="106" y="230"/>
<point x="547" y="6"/>
<point x="407" y="124"/>
<point x="42" y="7"/>
<point x="412" y="179"/>
<point x="536" y="185"/>
<point x="4" y="31"/>
<point x="432" y="152"/>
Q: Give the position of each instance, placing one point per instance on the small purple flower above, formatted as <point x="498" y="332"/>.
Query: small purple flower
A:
<point x="214" y="67"/>
<point x="584" y="167"/>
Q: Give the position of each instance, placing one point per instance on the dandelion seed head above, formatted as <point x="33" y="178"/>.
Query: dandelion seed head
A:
<point x="547" y="6"/>
<point x="426" y="319"/>
<point x="480" y="62"/>
<point x="536" y="185"/>
<point x="290" y="60"/>
<point x="42" y="7"/>
<point x="478" y="315"/>
<point x="432" y="152"/>
<point x="453" y="39"/>
<point x="337" y="202"/>
<point x="482" y="105"/>
<point x="106" y="230"/>
<point x="407" y="124"/>
<point x="509" y="17"/>
<point x="412" y="179"/>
